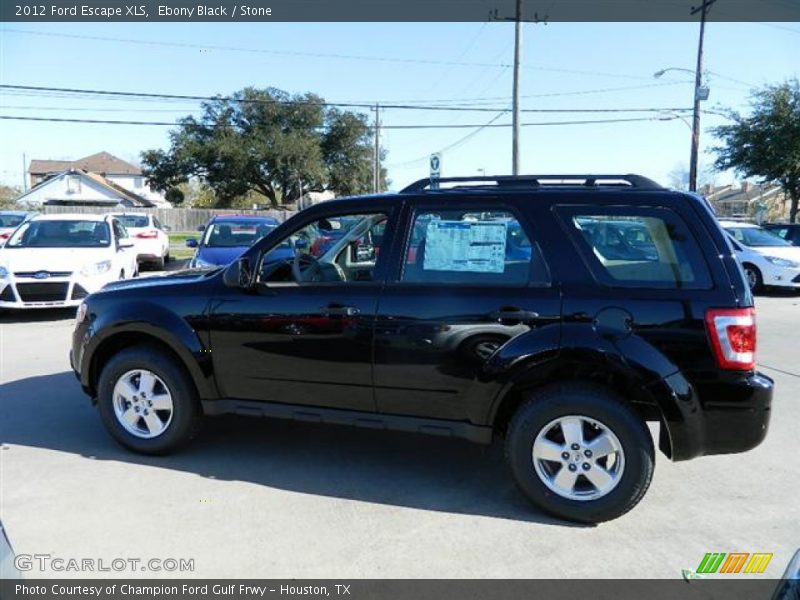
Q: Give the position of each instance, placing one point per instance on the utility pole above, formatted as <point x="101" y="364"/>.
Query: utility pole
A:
<point x="698" y="84"/>
<point x="515" y="110"/>
<point x="376" y="167"/>
<point x="24" y="173"/>
<point x="519" y="20"/>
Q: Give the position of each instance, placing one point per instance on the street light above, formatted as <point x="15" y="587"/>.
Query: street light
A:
<point x="672" y="117"/>
<point x="700" y="93"/>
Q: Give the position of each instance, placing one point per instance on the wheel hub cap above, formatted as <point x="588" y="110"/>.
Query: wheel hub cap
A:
<point x="578" y="458"/>
<point x="142" y="403"/>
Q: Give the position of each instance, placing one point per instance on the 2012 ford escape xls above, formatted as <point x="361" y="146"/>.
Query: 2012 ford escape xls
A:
<point x="561" y="313"/>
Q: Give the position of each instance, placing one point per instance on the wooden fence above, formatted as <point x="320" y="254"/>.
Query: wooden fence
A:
<point x="178" y="219"/>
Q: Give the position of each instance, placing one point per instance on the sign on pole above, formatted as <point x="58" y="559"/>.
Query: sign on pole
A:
<point x="436" y="170"/>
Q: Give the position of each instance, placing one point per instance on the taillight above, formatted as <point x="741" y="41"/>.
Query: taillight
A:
<point x="147" y="235"/>
<point x="4" y="236"/>
<point x="733" y="337"/>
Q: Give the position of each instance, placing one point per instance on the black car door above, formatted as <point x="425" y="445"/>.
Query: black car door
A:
<point x="306" y="342"/>
<point x="470" y="278"/>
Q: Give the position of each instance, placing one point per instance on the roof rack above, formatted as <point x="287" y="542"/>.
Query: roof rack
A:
<point x="532" y="181"/>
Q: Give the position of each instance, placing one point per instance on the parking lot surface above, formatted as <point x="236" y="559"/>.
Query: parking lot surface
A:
<point x="264" y="498"/>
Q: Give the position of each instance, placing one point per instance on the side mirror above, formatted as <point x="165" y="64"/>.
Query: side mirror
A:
<point x="125" y="243"/>
<point x="167" y="228"/>
<point x="201" y="228"/>
<point x="191" y="243"/>
<point x="239" y="274"/>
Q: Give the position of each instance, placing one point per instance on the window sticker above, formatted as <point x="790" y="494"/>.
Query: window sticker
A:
<point x="477" y="247"/>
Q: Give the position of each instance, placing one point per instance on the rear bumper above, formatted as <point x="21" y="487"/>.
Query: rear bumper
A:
<point x="736" y="414"/>
<point x="723" y="416"/>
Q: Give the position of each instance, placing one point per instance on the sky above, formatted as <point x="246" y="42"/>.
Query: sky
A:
<point x="566" y="66"/>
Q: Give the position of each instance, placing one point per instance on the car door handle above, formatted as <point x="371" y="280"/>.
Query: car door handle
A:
<point x="513" y="314"/>
<point x="337" y="310"/>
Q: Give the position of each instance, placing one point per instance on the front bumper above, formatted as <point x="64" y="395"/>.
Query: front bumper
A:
<point x="28" y="293"/>
<point x="782" y="277"/>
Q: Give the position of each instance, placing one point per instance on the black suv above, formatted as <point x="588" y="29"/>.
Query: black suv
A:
<point x="559" y="312"/>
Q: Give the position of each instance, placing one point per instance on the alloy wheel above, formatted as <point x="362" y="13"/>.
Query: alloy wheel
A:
<point x="578" y="457"/>
<point x="142" y="403"/>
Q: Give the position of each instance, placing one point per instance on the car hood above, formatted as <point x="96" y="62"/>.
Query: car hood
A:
<point x="51" y="259"/>
<point x="174" y="278"/>
<point x="220" y="256"/>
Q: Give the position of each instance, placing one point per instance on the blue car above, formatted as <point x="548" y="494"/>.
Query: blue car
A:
<point x="225" y="238"/>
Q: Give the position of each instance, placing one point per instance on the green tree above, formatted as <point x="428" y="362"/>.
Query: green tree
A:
<point x="8" y="193"/>
<point x="766" y="144"/>
<point x="266" y="142"/>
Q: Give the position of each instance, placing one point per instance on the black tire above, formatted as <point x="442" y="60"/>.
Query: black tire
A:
<point x="167" y="257"/>
<point x="595" y="402"/>
<point x="186" y="412"/>
<point x="158" y="264"/>
<point x="754" y="278"/>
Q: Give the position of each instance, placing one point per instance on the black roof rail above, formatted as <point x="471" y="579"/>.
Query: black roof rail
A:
<point x="629" y="180"/>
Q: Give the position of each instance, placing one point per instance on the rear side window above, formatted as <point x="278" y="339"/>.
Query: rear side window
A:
<point x="471" y="247"/>
<point x="637" y="247"/>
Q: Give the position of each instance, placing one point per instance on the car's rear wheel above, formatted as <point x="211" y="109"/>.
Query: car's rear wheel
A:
<point x="158" y="264"/>
<point x="754" y="278"/>
<point x="147" y="401"/>
<point x="580" y="452"/>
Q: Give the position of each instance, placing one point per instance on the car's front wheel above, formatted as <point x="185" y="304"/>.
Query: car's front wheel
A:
<point x="580" y="452"/>
<point x="147" y="401"/>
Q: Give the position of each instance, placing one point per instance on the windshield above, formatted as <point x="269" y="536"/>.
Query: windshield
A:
<point x="233" y="234"/>
<point x="11" y="220"/>
<point x="133" y="220"/>
<point x="755" y="236"/>
<point x="61" y="234"/>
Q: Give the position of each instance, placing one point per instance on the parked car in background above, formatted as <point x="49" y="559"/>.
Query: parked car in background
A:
<point x="10" y="220"/>
<point x="619" y="239"/>
<point x="224" y="239"/>
<point x="787" y="231"/>
<point x="767" y="260"/>
<point x="57" y="260"/>
<point x="149" y="236"/>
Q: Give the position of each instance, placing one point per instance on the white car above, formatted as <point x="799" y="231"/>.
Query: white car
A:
<point x="57" y="260"/>
<point x="149" y="237"/>
<point x="767" y="259"/>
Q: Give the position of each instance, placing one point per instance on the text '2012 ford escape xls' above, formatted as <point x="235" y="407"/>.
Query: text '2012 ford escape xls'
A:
<point x="560" y="312"/>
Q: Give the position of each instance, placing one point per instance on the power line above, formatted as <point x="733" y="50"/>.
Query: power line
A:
<point x="468" y="102"/>
<point x="327" y="104"/>
<point x="430" y="126"/>
<point x="486" y="99"/>
<point x="327" y="56"/>
<point x="450" y="146"/>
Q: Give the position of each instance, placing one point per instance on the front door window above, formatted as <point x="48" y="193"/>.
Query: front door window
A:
<point x="341" y="249"/>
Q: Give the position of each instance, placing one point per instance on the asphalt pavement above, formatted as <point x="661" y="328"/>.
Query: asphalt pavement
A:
<point x="273" y="499"/>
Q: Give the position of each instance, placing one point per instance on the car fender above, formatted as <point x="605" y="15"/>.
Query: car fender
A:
<point x="156" y="322"/>
<point x="651" y="378"/>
